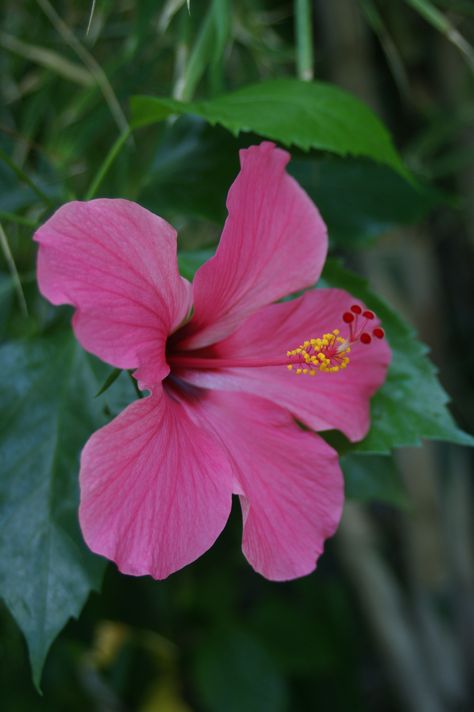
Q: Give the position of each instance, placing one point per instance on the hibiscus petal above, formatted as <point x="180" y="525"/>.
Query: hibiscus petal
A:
<point x="289" y="480"/>
<point x="274" y="243"/>
<point x="155" y="489"/>
<point x="115" y="262"/>
<point x="327" y="400"/>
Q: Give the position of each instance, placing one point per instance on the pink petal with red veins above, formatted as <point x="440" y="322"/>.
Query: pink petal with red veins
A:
<point x="289" y="480"/>
<point x="324" y="401"/>
<point x="155" y="489"/>
<point x="274" y="243"/>
<point x="115" y="262"/>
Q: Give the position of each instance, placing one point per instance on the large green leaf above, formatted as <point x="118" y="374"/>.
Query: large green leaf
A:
<point x="303" y="114"/>
<point x="412" y="404"/>
<point x="48" y="411"/>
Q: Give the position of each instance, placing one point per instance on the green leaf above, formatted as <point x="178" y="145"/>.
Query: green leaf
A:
<point x="303" y="114"/>
<point x="412" y="404"/>
<point x="234" y="672"/>
<point x="372" y="478"/>
<point x="48" y="411"/>
<point x="359" y="199"/>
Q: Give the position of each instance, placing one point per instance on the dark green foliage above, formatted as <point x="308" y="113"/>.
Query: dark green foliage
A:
<point x="198" y="86"/>
<point x="295" y="113"/>
<point x="48" y="411"/>
<point x="233" y="672"/>
<point x="373" y="478"/>
<point x="361" y="200"/>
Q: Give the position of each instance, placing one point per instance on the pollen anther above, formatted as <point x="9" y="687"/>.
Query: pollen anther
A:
<point x="329" y="352"/>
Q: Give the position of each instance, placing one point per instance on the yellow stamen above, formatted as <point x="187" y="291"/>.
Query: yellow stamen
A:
<point x="327" y="354"/>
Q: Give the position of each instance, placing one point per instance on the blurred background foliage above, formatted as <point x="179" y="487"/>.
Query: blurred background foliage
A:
<point x="387" y="622"/>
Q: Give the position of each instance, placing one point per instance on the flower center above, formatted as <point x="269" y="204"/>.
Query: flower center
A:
<point x="329" y="353"/>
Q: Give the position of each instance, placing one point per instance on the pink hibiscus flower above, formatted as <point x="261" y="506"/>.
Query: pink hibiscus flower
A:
<point x="229" y="373"/>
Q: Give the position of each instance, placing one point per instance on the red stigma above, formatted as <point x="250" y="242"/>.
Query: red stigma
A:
<point x="357" y="320"/>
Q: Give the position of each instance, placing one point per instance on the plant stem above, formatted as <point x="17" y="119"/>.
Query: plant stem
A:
<point x="5" y="247"/>
<point x="107" y="162"/>
<point x="304" y="39"/>
<point x="442" y="23"/>
<point x="199" y="57"/>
